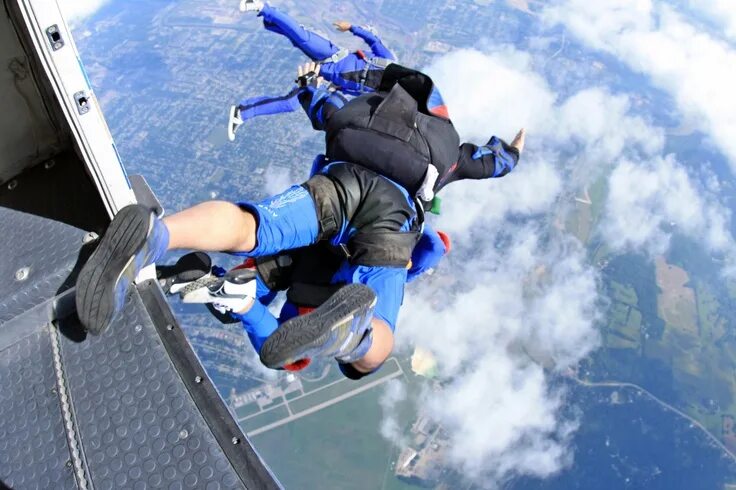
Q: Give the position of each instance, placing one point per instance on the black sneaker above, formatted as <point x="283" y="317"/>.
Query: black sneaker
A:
<point x="134" y="239"/>
<point x="333" y="329"/>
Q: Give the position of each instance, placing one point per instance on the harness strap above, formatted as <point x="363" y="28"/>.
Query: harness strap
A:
<point x="338" y="56"/>
<point x="371" y="63"/>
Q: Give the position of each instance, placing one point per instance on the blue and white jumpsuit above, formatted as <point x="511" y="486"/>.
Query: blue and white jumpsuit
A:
<point x="352" y="73"/>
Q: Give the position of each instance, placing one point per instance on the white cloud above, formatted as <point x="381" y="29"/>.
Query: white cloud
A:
<point x="529" y="302"/>
<point x="697" y="69"/>
<point x="529" y="298"/>
<point x="602" y="125"/>
<point x="503" y="419"/>
<point x="529" y="190"/>
<point x="720" y="12"/>
<point x="278" y="179"/>
<point x="497" y="93"/>
<point x="393" y="394"/>
<point x="77" y="10"/>
<point x="528" y="306"/>
<point x="647" y="200"/>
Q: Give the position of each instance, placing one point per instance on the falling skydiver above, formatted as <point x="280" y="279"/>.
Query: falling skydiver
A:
<point x="310" y="277"/>
<point x="403" y="131"/>
<point x="352" y="73"/>
<point x="344" y="206"/>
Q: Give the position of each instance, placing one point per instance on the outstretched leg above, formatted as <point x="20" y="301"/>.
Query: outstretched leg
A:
<point x="267" y="106"/>
<point x="136" y="238"/>
<point x="212" y="226"/>
<point x="261" y="106"/>
<point x="311" y="44"/>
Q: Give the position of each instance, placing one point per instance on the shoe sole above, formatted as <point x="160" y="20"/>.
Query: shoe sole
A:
<point x="305" y="332"/>
<point x="113" y="259"/>
<point x="202" y="284"/>
<point x="188" y="268"/>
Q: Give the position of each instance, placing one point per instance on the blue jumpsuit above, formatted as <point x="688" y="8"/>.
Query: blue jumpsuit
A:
<point x="259" y="323"/>
<point x="289" y="221"/>
<point x="345" y="73"/>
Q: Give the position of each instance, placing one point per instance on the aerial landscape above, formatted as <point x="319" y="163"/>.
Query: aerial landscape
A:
<point x="581" y="333"/>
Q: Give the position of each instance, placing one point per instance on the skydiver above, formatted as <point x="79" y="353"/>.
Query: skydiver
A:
<point x="353" y="73"/>
<point x="306" y="275"/>
<point x="371" y="218"/>
<point x="344" y="206"/>
<point x="403" y="132"/>
<point x="493" y="160"/>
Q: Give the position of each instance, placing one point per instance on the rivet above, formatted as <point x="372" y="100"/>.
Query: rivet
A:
<point x="49" y="164"/>
<point x="235" y="440"/>
<point x="68" y="463"/>
<point x="22" y="274"/>
<point x="183" y="434"/>
<point x="90" y="237"/>
<point x="12" y="184"/>
<point x="198" y="379"/>
<point x="138" y="328"/>
<point x="169" y="327"/>
<point x="51" y="29"/>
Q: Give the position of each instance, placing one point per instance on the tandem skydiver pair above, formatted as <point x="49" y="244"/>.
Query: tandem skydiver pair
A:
<point x="342" y="244"/>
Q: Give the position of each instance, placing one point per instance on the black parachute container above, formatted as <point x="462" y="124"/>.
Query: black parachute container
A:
<point x="394" y="132"/>
<point x="132" y="408"/>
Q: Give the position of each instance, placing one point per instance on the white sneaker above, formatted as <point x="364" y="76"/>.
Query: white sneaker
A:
<point x="233" y="292"/>
<point x="234" y="123"/>
<point x="426" y="191"/>
<point x="251" y="5"/>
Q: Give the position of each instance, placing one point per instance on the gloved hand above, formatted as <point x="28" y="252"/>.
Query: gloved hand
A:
<point x="307" y="75"/>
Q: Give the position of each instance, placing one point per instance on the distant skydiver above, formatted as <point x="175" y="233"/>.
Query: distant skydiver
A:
<point x="345" y="208"/>
<point x="352" y="73"/>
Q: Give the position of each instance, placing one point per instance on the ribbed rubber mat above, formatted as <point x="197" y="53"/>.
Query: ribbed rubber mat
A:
<point x="38" y="255"/>
<point x="33" y="444"/>
<point x="137" y="422"/>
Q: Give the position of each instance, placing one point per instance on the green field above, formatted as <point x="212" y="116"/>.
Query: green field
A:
<point x="623" y="293"/>
<point x="265" y="418"/>
<point x="339" y="447"/>
<point x="693" y="367"/>
<point x="246" y="410"/>
<point x="598" y="192"/>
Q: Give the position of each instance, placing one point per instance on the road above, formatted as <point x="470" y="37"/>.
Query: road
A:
<point x="663" y="404"/>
